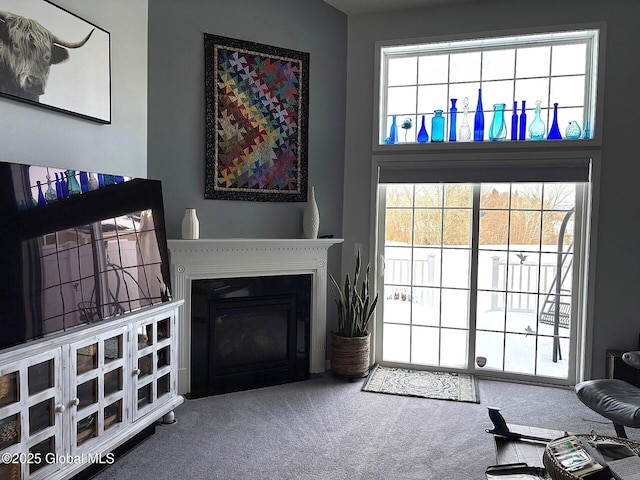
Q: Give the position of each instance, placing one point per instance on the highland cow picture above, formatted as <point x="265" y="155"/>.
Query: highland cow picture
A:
<point x="52" y="58"/>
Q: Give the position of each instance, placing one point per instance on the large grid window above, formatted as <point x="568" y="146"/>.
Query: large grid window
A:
<point x="480" y="276"/>
<point x="557" y="67"/>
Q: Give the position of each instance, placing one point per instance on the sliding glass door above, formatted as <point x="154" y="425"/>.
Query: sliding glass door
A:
<point x="480" y="276"/>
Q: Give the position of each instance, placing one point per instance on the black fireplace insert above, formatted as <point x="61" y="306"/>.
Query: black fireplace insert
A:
<point x="249" y="332"/>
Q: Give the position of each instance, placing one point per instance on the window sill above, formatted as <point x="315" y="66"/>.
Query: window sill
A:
<point x="487" y="146"/>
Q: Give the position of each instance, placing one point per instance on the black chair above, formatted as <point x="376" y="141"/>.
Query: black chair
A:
<point x="615" y="399"/>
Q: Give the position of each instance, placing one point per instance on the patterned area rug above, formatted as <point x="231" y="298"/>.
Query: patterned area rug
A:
<point x="460" y="387"/>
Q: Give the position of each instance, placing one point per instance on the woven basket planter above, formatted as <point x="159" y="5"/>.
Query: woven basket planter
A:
<point x="350" y="355"/>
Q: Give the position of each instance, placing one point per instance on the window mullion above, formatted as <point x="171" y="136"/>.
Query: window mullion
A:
<point x="473" y="287"/>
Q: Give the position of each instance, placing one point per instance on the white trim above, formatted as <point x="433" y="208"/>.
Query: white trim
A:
<point x="239" y="257"/>
<point x="582" y="339"/>
<point x="563" y="32"/>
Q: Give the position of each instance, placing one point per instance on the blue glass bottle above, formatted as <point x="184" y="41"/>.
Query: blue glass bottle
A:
<point x="554" y="131"/>
<point x="514" y="122"/>
<point x="437" y="127"/>
<point x="73" y="187"/>
<point x="393" y="132"/>
<point x="522" y="132"/>
<point x="84" y="182"/>
<point x="63" y="186"/>
<point x="59" y="192"/>
<point x="423" y="136"/>
<point x="478" y="123"/>
<point x="100" y="180"/>
<point x="498" y="127"/>
<point x="41" y="199"/>
<point x="453" y="116"/>
<point x="573" y="131"/>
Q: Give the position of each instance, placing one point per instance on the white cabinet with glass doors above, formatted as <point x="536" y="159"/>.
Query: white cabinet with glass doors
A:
<point x="69" y="401"/>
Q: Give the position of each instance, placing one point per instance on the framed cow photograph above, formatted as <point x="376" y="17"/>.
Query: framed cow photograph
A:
<point x="52" y="58"/>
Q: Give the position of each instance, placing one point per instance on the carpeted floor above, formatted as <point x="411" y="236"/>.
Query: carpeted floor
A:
<point x="328" y="429"/>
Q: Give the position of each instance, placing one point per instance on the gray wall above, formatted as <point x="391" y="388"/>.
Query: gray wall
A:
<point x="37" y="136"/>
<point x="617" y="301"/>
<point x="176" y="145"/>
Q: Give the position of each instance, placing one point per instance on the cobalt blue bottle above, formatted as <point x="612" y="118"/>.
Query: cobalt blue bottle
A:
<point x="522" y="134"/>
<point x="554" y="132"/>
<point x="423" y="136"/>
<point x="393" y="133"/>
<point x="41" y="200"/>
<point x="514" y="122"/>
<point x="84" y="182"/>
<point x="478" y="123"/>
<point x="453" y="115"/>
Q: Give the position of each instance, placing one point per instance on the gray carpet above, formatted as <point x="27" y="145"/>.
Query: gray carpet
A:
<point x="327" y="428"/>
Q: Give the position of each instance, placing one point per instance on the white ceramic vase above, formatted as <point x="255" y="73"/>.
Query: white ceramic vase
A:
<point x="311" y="217"/>
<point x="190" y="225"/>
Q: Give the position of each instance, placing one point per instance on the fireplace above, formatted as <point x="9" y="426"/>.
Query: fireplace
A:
<point x="249" y="332"/>
<point x="224" y="259"/>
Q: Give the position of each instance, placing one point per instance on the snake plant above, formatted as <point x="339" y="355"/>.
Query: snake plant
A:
<point x="355" y="307"/>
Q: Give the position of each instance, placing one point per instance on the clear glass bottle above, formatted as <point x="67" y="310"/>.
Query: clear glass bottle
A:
<point x="464" y="135"/>
<point x="537" y="127"/>
<point x="50" y="194"/>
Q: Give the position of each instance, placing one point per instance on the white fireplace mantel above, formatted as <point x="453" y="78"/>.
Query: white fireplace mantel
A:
<point x="240" y="257"/>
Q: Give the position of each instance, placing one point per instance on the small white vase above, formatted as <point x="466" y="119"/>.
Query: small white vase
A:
<point x="190" y="225"/>
<point x="311" y="217"/>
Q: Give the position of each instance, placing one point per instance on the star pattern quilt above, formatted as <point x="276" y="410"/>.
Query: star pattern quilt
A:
<point x="257" y="112"/>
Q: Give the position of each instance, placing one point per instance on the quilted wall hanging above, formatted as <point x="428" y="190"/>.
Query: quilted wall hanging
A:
<point x="257" y="100"/>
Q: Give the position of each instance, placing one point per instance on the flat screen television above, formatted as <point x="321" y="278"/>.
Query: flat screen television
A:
<point x="76" y="248"/>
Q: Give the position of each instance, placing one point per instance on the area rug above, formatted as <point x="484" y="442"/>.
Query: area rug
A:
<point x="460" y="387"/>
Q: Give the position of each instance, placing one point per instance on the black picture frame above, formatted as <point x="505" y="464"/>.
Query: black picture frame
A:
<point x="257" y="110"/>
<point x="68" y="68"/>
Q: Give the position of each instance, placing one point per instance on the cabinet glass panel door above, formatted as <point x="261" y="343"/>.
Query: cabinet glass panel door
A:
<point x="31" y="414"/>
<point x="98" y="388"/>
<point x="155" y="368"/>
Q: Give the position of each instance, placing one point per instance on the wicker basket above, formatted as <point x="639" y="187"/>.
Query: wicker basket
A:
<point x="350" y="355"/>
<point x="9" y="432"/>
<point x="10" y="471"/>
<point x="5" y="385"/>
<point x="558" y="473"/>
